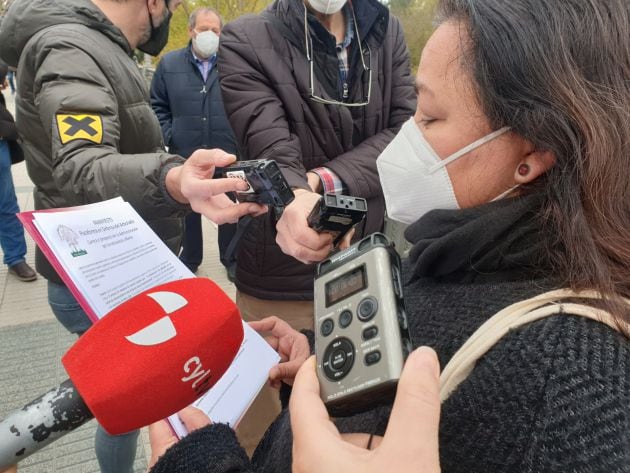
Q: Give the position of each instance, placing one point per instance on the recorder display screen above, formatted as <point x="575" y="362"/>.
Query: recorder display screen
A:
<point x="345" y="285"/>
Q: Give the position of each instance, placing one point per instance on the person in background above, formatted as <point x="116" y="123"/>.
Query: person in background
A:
<point x="514" y="177"/>
<point x="11" y="79"/>
<point x="89" y="135"/>
<point x="321" y="87"/>
<point x="11" y="230"/>
<point x="186" y="98"/>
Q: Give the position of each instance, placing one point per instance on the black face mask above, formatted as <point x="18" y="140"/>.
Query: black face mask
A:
<point x="159" y="35"/>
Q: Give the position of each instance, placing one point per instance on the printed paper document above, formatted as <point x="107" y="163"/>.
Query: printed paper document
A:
<point x="106" y="253"/>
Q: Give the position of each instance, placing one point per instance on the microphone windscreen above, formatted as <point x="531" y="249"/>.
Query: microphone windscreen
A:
<point x="156" y="353"/>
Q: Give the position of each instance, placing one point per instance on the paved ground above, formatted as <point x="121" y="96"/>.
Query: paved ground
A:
<point x="32" y="343"/>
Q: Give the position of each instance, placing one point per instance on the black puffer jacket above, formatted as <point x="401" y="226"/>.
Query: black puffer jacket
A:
<point x="265" y="83"/>
<point x="74" y="62"/>
<point x="8" y="130"/>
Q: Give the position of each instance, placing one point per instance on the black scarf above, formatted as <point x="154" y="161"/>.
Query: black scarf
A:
<point x="499" y="240"/>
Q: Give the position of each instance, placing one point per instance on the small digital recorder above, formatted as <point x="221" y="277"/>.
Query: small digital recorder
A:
<point x="361" y="334"/>
<point x="266" y="183"/>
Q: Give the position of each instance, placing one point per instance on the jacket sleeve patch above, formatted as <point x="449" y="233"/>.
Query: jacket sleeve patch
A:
<point x="77" y="126"/>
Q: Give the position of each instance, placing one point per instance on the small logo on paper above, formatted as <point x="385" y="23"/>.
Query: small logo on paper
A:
<point x="68" y="235"/>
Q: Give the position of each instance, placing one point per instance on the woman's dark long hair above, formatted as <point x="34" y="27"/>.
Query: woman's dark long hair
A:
<point x="558" y="73"/>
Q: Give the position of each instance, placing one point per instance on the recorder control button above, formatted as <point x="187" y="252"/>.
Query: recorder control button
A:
<point x="345" y="318"/>
<point x="338" y="359"/>
<point x="367" y="309"/>
<point x="370" y="332"/>
<point x="327" y="327"/>
<point x="373" y="357"/>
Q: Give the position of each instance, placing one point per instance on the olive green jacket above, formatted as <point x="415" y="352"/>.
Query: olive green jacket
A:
<point x="84" y="116"/>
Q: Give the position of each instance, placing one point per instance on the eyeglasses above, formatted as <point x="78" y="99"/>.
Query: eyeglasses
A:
<point x="309" y="48"/>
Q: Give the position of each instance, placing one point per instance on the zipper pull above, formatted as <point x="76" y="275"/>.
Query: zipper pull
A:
<point x="345" y="90"/>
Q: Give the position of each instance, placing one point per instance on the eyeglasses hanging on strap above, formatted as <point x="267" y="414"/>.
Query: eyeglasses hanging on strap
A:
<point x="308" y="46"/>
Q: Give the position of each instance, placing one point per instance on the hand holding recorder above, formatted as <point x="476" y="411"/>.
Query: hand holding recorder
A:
<point x="337" y="214"/>
<point x="411" y="440"/>
<point x="192" y="183"/>
<point x="295" y="237"/>
<point x="264" y="182"/>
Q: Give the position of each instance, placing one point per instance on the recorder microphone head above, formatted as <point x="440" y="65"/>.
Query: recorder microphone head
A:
<point x="156" y="353"/>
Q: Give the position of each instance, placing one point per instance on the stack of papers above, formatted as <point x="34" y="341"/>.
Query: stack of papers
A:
<point x="106" y="253"/>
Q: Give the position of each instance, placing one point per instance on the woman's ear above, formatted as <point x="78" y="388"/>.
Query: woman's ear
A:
<point x="533" y="165"/>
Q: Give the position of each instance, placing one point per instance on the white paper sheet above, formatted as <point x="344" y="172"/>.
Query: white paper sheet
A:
<point x="111" y="255"/>
<point x="232" y="395"/>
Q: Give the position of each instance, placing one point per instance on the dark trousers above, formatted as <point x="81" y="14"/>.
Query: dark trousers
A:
<point x="192" y="244"/>
<point x="226" y="233"/>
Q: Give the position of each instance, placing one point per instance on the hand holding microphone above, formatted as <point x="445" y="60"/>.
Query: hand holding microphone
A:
<point x="148" y="358"/>
<point x="162" y="437"/>
<point x="291" y="345"/>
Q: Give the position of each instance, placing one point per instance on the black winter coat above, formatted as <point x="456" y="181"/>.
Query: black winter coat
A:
<point x="265" y="82"/>
<point x="73" y="60"/>
<point x="8" y="132"/>
<point x="190" y="110"/>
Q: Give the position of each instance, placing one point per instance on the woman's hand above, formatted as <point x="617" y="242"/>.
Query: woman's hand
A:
<point x="411" y="440"/>
<point x="291" y="345"/>
<point x="162" y="437"/>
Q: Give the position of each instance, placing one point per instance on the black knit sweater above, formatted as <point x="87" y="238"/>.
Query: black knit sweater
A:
<point x="553" y="396"/>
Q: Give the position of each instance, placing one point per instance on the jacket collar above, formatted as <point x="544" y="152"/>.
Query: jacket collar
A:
<point x="500" y="240"/>
<point x="26" y="18"/>
<point x="372" y="18"/>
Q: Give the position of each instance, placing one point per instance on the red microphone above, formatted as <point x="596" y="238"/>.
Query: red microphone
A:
<point x="145" y="360"/>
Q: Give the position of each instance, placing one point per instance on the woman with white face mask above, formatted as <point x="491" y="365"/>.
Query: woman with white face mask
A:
<point x="514" y="177"/>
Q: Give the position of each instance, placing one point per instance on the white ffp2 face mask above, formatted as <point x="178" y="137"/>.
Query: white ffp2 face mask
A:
<point x="414" y="178"/>
<point x="327" y="7"/>
<point x="206" y="43"/>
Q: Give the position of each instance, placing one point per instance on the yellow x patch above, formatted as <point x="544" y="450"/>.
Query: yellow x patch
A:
<point x="80" y="127"/>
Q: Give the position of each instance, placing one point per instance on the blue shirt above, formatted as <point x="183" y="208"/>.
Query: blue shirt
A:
<point x="204" y="65"/>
